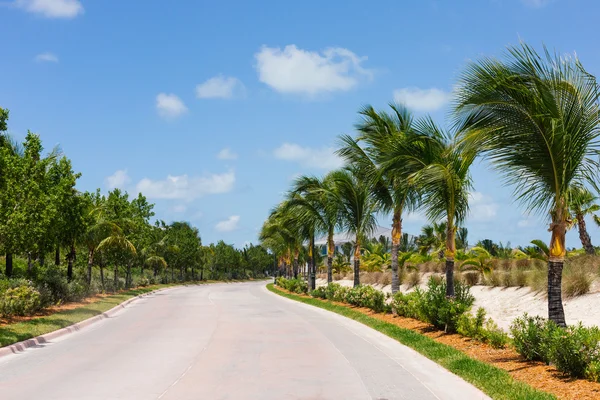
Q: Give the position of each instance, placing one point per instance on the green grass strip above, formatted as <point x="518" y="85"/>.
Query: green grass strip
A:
<point x="495" y="382"/>
<point x="19" y="331"/>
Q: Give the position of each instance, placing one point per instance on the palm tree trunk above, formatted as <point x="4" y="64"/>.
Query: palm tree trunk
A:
<point x="450" y="251"/>
<point x="311" y="266"/>
<point x="296" y="255"/>
<point x="116" y="278"/>
<point x="70" y="263"/>
<point x="357" y="263"/>
<point x="396" y="235"/>
<point x="584" y="236"/>
<point x="90" y="263"/>
<point x="9" y="264"/>
<point x="102" y="275"/>
<point x="128" y="276"/>
<point x="29" y="264"/>
<point x="57" y="256"/>
<point x="330" y="251"/>
<point x="556" y="312"/>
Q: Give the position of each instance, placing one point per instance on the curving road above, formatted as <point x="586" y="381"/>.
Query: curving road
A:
<point x="226" y="341"/>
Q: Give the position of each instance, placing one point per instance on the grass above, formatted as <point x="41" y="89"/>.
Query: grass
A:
<point x="19" y="331"/>
<point x="495" y="382"/>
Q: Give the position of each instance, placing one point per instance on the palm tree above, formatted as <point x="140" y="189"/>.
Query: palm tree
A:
<point x="319" y="194"/>
<point x="433" y="239"/>
<point x="583" y="203"/>
<point x="280" y="234"/>
<point x="479" y="260"/>
<point x="442" y="178"/>
<point x="357" y="209"/>
<point x="375" y="257"/>
<point x="390" y="189"/>
<point x="537" y="119"/>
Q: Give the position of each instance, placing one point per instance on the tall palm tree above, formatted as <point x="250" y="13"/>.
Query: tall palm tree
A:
<point x="324" y="207"/>
<point x="433" y="239"/>
<point x="357" y="209"/>
<point x="442" y="178"/>
<point x="583" y="203"/>
<point x="536" y="118"/>
<point x="279" y="233"/>
<point x="391" y="188"/>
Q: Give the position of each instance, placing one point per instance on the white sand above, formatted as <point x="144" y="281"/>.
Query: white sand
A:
<point x="503" y="305"/>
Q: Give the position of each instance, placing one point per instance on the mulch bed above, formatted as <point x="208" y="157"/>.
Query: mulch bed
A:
<point x="536" y="374"/>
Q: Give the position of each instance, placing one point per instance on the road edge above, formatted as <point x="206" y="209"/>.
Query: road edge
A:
<point x="21" y="346"/>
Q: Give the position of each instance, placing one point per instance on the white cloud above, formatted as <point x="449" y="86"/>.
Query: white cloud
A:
<point x="323" y="158"/>
<point x="46" y="57"/>
<point x="422" y="99"/>
<point x="221" y="87"/>
<point x="179" y="208"/>
<point x="117" y="180"/>
<point x="536" y="3"/>
<point x="297" y="71"/>
<point x="228" y="225"/>
<point x="482" y="207"/>
<point x="528" y="222"/>
<point x="227" y="154"/>
<point x="187" y="188"/>
<point x="52" y="8"/>
<point x="169" y="105"/>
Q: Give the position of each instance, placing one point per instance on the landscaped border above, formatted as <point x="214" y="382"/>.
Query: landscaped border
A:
<point x="495" y="382"/>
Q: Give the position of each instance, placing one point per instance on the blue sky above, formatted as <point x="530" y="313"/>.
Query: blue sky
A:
<point x="212" y="108"/>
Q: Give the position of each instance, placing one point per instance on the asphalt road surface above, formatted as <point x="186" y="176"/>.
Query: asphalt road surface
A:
<point x="226" y="341"/>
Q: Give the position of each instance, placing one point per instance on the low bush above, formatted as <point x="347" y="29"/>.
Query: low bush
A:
<point x="481" y="328"/>
<point x="494" y="279"/>
<point x="336" y="292"/>
<point x="441" y="311"/>
<point x="386" y="278"/>
<point x="532" y="337"/>
<point x="518" y="277"/>
<point x="320" y="292"/>
<point x="413" y="279"/>
<point x="470" y="278"/>
<point x="295" y="285"/>
<point x="407" y="305"/>
<point x="576" y="281"/>
<point x="575" y="351"/>
<point x="23" y="300"/>
<point x="366" y="296"/>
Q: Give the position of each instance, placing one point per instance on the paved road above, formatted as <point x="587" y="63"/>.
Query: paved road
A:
<point x="226" y="341"/>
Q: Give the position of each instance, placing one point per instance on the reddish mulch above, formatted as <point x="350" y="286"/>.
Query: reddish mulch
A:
<point x="535" y="374"/>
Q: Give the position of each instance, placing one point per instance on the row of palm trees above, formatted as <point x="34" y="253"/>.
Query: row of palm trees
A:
<point x="534" y="118"/>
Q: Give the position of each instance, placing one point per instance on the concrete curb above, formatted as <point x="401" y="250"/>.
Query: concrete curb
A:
<point x="45" y="338"/>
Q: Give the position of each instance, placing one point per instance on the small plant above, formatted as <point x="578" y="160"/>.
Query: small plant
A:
<point x="470" y="278"/>
<point x="407" y="305"/>
<point x="576" y="281"/>
<point x="441" y="311"/>
<point x="532" y="337"/>
<point x="413" y="279"/>
<point x="336" y="292"/>
<point x="22" y="301"/>
<point x="366" y="296"/>
<point x="320" y="293"/>
<point x="574" y="349"/>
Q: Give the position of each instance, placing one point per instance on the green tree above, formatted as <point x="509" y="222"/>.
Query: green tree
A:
<point x="357" y="209"/>
<point x="583" y="203"/>
<point x="537" y="119"/>
<point x="390" y="188"/>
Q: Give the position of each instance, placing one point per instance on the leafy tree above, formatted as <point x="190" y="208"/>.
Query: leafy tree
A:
<point x="390" y="187"/>
<point x="536" y="118"/>
<point x="583" y="203"/>
<point x="357" y="209"/>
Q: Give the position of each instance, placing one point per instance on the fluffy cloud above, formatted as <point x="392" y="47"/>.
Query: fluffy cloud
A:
<point x="322" y="158"/>
<point x="227" y="154"/>
<point x="482" y="207"/>
<point x="169" y="105"/>
<point x="297" y="71"/>
<point x="52" y="8"/>
<point x="228" y="225"/>
<point x="46" y="57"/>
<point x="527" y="222"/>
<point x="220" y="87"/>
<point x="187" y="188"/>
<point x="422" y="99"/>
<point x="117" y="180"/>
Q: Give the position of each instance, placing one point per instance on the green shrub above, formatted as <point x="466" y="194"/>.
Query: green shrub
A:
<point x="366" y="296"/>
<point x="143" y="282"/>
<point x="481" y="328"/>
<point x="532" y="337"/>
<point x="574" y="349"/>
<point x="336" y="292"/>
<point x="295" y="285"/>
<point x="320" y="293"/>
<point x="77" y="291"/>
<point x="53" y="287"/>
<point x="407" y="305"/>
<point x="22" y="301"/>
<point x="593" y="371"/>
<point x="443" y="312"/>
